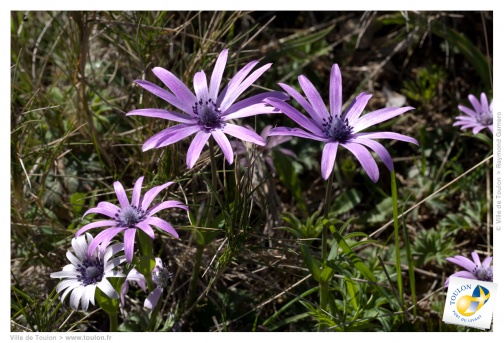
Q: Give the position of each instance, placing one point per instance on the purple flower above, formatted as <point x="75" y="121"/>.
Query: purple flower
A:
<point x="160" y="278"/>
<point x="85" y="273"/>
<point x="130" y="217"/>
<point x="477" y="119"/>
<point x="335" y="128"/>
<point x="475" y="269"/>
<point x="208" y="112"/>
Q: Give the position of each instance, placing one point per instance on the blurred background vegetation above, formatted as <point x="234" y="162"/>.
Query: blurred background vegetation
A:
<point x="72" y="79"/>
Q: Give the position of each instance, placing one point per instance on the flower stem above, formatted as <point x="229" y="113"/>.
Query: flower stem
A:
<point x="324" y="284"/>
<point x="113" y="321"/>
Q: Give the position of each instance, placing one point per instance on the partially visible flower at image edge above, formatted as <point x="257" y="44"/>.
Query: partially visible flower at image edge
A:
<point x="336" y="128"/>
<point x="160" y="278"/>
<point x="474" y="269"/>
<point x="85" y="273"/>
<point x="207" y="112"/>
<point x="478" y="118"/>
<point x="130" y="217"/>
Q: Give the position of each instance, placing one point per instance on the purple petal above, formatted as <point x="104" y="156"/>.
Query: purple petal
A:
<point x="153" y="298"/>
<point x="487" y="261"/>
<point x="328" y="158"/>
<point x="477" y="129"/>
<point x="255" y="99"/>
<point x="243" y="134"/>
<point x="200" y="86"/>
<point x="252" y="110"/>
<point x="287" y="131"/>
<point x="476" y="259"/>
<point x="175" y="85"/>
<point x="224" y="144"/>
<point x="484" y="103"/>
<point x="475" y="103"/>
<point x="462" y="261"/>
<point x="90" y="226"/>
<point x="467" y="111"/>
<point x="165" y="95"/>
<point x="152" y="193"/>
<point x="103" y="238"/>
<point x="129" y="244"/>
<point x="167" y="204"/>
<point x="378" y="116"/>
<point x="335" y="86"/>
<point x="462" y="274"/>
<point x="101" y="210"/>
<point x="163" y="114"/>
<point x="234" y="92"/>
<point x="146" y="228"/>
<point x="163" y="225"/>
<point x="295" y="115"/>
<point x="235" y="81"/>
<point x="169" y="136"/>
<point x="106" y="207"/>
<point x="302" y="101"/>
<point x="388" y="135"/>
<point x="287" y="152"/>
<point x="379" y="149"/>
<point x="195" y="148"/>
<point x="217" y="73"/>
<point x="135" y="198"/>
<point x="314" y="98"/>
<point x="121" y="194"/>
<point x="356" y="107"/>
<point x="491" y="106"/>
<point x="490" y="128"/>
<point x="365" y="159"/>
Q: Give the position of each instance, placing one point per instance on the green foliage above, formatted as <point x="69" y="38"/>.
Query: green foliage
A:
<point x="433" y="246"/>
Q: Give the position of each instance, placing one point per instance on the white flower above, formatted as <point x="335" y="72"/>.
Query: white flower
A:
<point x="84" y="274"/>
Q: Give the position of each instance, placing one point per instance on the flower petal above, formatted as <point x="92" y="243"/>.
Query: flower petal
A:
<point x="152" y="193"/>
<point x="107" y="209"/>
<point x="146" y="228"/>
<point x="255" y="99"/>
<point x="170" y="135"/>
<point x="137" y="189"/>
<point x="224" y="144"/>
<point x="75" y="297"/>
<point x="153" y="298"/>
<point x="217" y="73"/>
<point x="166" y="96"/>
<point x="167" y="204"/>
<point x="484" y="103"/>
<point x="378" y="116"/>
<point x="121" y="194"/>
<point x="163" y="225"/>
<point x="234" y="92"/>
<point x="252" y="110"/>
<point x="387" y="135"/>
<point x="356" y="107"/>
<point x="462" y="274"/>
<point x="476" y="259"/>
<point x="90" y="226"/>
<point x="335" y="90"/>
<point x="487" y="261"/>
<point x="379" y="149"/>
<point x="462" y="261"/>
<point x="287" y="131"/>
<point x="328" y="159"/>
<point x="129" y="244"/>
<point x="88" y="296"/>
<point x="295" y="115"/>
<point x="107" y="288"/>
<point x="195" y="148"/>
<point x="103" y="238"/>
<point x="243" y="134"/>
<point x="314" y="98"/>
<point x="468" y="111"/>
<point x="175" y="85"/>
<point x="475" y="103"/>
<point x="200" y="86"/>
<point x="365" y="159"/>
<point x="302" y="101"/>
<point x="235" y="82"/>
<point x="80" y="244"/>
<point x="162" y="114"/>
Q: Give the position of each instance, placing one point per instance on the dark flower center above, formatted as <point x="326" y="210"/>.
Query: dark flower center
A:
<point x="161" y="276"/>
<point x="485" y="118"/>
<point x="483" y="274"/>
<point x="209" y="115"/>
<point x="337" y="128"/>
<point x="130" y="216"/>
<point x="91" y="271"/>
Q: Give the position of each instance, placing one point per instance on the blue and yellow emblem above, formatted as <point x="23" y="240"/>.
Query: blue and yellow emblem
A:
<point x="469" y="305"/>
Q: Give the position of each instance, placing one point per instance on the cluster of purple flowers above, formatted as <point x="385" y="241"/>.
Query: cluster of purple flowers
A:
<point x="208" y="113"/>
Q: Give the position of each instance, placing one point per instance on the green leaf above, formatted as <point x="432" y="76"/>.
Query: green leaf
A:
<point x="346" y="201"/>
<point x="77" y="200"/>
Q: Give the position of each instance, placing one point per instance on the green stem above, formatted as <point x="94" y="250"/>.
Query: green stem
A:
<point x="147" y="251"/>
<point x="113" y="321"/>
<point x="195" y="275"/>
<point x="324" y="284"/>
<point x="213" y="191"/>
<point x="396" y="237"/>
